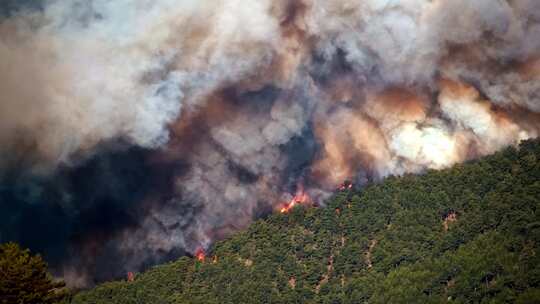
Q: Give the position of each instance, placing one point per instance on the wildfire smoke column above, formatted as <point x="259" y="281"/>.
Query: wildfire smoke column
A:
<point x="189" y="119"/>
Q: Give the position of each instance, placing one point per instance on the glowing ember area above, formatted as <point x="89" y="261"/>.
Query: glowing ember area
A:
<point x="301" y="198"/>
<point x="200" y="255"/>
<point x="345" y="186"/>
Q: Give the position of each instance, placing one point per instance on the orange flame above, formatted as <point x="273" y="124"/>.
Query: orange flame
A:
<point x="299" y="198"/>
<point x="200" y="255"/>
<point x="130" y="276"/>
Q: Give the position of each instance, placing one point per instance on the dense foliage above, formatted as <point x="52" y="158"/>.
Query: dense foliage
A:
<point x="469" y="234"/>
<point x="24" y="278"/>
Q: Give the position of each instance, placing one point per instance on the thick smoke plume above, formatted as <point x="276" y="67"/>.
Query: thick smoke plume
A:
<point x="144" y="129"/>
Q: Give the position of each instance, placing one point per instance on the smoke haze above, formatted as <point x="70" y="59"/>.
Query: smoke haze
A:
<point x="134" y="131"/>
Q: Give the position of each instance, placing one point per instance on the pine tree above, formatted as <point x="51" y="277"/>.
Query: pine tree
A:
<point x="24" y="278"/>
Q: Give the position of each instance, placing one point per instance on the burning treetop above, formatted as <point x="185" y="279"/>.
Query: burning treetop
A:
<point x="299" y="199"/>
<point x="200" y="255"/>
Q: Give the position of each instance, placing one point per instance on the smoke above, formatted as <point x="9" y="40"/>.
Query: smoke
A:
<point x="151" y="128"/>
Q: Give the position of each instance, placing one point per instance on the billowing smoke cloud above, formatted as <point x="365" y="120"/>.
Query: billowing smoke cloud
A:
<point x="191" y="118"/>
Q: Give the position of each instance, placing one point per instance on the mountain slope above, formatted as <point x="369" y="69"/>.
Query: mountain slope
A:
<point x="466" y="234"/>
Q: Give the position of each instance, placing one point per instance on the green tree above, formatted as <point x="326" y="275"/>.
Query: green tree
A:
<point x="24" y="278"/>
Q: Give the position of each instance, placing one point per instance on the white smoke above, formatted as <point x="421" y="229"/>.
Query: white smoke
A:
<point x="101" y="70"/>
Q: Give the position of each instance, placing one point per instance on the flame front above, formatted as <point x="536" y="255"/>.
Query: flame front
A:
<point x="299" y="199"/>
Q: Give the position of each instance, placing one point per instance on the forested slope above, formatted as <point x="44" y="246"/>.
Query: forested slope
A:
<point x="468" y="234"/>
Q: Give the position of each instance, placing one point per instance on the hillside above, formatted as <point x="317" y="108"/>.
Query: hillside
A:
<point x="468" y="234"/>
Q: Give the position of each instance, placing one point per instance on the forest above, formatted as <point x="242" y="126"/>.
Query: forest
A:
<point x="467" y="234"/>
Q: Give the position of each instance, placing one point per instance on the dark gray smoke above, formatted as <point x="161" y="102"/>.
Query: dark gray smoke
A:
<point x="134" y="131"/>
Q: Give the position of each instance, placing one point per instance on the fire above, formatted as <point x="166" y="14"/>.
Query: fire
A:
<point x="299" y="198"/>
<point x="130" y="276"/>
<point x="347" y="185"/>
<point x="200" y="255"/>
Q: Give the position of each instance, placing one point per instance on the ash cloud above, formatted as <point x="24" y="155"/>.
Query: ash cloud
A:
<point x="153" y="128"/>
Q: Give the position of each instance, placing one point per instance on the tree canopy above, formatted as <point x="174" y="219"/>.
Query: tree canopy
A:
<point x="467" y="234"/>
<point x="24" y="278"/>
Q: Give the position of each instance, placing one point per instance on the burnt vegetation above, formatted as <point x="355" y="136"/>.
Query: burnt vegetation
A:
<point x="468" y="234"/>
